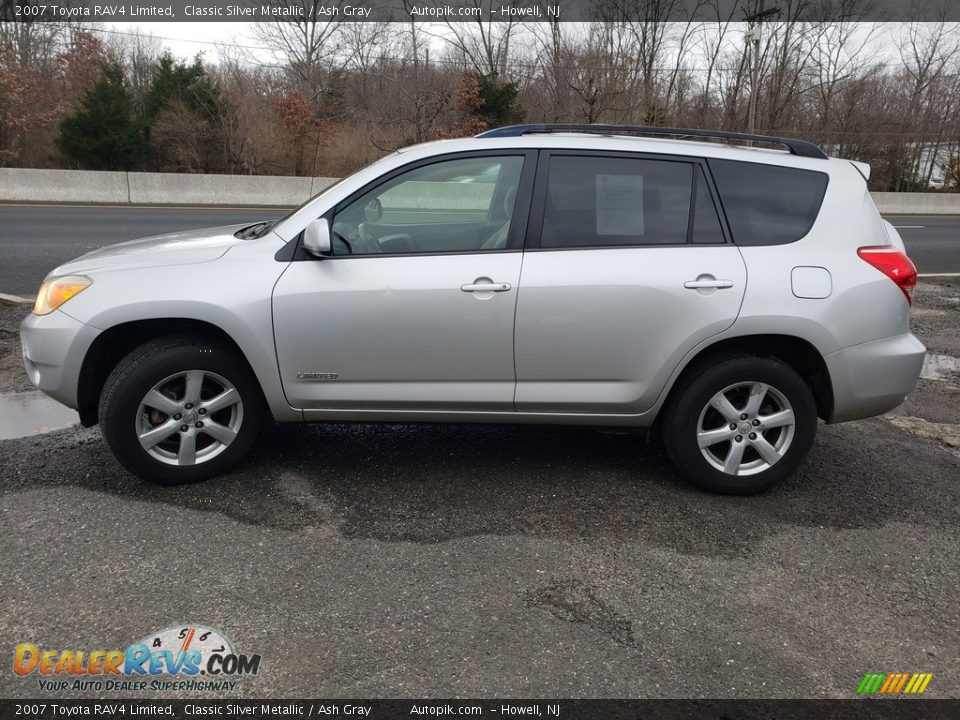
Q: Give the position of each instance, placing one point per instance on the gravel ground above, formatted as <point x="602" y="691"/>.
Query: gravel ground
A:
<point x="12" y="376"/>
<point x="430" y="561"/>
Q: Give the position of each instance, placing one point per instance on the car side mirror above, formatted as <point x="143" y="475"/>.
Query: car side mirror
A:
<point x="373" y="211"/>
<point x="316" y="238"/>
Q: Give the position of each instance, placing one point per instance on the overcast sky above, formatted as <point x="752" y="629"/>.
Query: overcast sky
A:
<point x="186" y="39"/>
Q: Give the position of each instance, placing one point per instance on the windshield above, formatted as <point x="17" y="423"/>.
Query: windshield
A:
<point x="261" y="229"/>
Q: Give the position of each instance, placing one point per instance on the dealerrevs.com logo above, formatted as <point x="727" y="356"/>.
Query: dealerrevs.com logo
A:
<point x="187" y="657"/>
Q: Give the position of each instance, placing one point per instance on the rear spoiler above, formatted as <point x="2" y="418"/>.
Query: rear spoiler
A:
<point x="862" y="168"/>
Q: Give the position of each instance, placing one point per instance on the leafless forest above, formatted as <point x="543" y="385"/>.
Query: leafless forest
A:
<point x="324" y="98"/>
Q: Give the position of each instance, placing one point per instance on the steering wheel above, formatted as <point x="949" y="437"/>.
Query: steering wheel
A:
<point x="370" y="244"/>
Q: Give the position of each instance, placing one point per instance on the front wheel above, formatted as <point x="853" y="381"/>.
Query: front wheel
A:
<point x="180" y="409"/>
<point x="742" y="425"/>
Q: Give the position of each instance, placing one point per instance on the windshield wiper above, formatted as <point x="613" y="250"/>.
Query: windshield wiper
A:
<point x="255" y="231"/>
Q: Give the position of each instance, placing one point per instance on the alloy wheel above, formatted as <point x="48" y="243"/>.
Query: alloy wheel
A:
<point x="189" y="418"/>
<point x="746" y="428"/>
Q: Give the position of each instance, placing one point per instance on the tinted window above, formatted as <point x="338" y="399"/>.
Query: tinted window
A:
<point x="608" y="201"/>
<point x="706" y="222"/>
<point x="459" y="205"/>
<point x="768" y="204"/>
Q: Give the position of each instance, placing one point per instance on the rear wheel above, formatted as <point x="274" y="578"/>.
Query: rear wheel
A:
<point x="180" y="409"/>
<point x="741" y="425"/>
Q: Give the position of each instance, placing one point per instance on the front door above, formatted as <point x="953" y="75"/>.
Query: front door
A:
<point x="414" y="309"/>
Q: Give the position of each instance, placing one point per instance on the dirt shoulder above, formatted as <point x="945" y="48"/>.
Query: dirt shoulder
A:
<point x="12" y="375"/>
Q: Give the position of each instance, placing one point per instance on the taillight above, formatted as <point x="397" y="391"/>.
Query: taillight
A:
<point x="894" y="264"/>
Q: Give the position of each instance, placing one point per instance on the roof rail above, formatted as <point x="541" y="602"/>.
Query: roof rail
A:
<point x="801" y="148"/>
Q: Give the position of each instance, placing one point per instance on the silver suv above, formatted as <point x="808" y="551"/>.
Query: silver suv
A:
<point x="725" y="295"/>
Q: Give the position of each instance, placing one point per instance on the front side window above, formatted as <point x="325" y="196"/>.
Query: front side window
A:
<point x="615" y="201"/>
<point x="461" y="205"/>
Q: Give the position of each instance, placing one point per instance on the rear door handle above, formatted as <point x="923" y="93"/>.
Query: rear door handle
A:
<point x="485" y="287"/>
<point x="709" y="284"/>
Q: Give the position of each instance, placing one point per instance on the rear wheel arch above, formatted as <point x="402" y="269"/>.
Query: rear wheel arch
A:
<point x="799" y="354"/>
<point x="116" y="342"/>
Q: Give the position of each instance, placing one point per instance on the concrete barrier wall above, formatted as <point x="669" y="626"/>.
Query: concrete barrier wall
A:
<point x="86" y="186"/>
<point x="21" y="185"/>
<point x="443" y="196"/>
<point x="176" y="189"/>
<point x="917" y="203"/>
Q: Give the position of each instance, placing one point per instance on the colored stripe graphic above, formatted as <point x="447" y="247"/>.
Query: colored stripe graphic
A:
<point x="894" y="683"/>
<point x="902" y="680"/>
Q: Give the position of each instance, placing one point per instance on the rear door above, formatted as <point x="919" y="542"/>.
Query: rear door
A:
<point x="628" y="266"/>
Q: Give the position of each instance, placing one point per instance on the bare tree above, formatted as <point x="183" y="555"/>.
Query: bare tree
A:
<point x="712" y="42"/>
<point x="552" y="61"/>
<point x="138" y="53"/>
<point x="929" y="52"/>
<point x="483" y="41"/>
<point x="841" y="55"/>
<point x="308" y="48"/>
<point x="648" y="28"/>
<point x="603" y="76"/>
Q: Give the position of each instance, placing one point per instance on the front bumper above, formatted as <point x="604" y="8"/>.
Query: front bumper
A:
<point x="873" y="377"/>
<point x="54" y="346"/>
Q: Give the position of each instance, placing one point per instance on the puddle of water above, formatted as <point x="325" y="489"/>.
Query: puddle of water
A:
<point x="939" y="367"/>
<point x="32" y="413"/>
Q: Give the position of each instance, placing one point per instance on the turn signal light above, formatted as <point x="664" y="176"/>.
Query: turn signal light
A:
<point x="54" y="293"/>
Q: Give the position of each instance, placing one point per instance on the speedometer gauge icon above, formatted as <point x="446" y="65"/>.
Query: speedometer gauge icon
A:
<point x="181" y="639"/>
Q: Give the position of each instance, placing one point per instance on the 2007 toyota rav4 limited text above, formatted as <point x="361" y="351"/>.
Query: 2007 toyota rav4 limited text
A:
<point x="591" y="275"/>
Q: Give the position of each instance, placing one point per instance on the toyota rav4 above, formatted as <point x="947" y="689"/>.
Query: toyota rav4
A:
<point x="727" y="294"/>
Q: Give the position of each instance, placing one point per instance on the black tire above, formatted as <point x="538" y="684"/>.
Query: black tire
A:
<point x="148" y="365"/>
<point x="692" y="397"/>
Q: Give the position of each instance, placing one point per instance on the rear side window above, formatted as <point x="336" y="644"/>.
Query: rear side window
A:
<point x="768" y="204"/>
<point x="614" y="201"/>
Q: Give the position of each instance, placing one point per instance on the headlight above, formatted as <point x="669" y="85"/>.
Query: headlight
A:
<point x="54" y="293"/>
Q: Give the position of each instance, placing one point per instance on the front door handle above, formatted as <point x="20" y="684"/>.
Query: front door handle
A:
<point x="486" y="287"/>
<point x="702" y="283"/>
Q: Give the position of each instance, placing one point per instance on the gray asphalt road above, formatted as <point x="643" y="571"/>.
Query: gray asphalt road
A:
<point x="439" y="561"/>
<point x="496" y="561"/>
<point x="35" y="239"/>
<point x="933" y="242"/>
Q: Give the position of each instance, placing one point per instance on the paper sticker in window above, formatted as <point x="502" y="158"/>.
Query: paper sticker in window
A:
<point x="619" y="204"/>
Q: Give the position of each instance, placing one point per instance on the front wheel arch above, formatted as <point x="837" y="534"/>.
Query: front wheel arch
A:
<point x="115" y="343"/>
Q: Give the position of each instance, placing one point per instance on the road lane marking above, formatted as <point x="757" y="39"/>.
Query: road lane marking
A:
<point x="15" y="299"/>
<point x="909" y="227"/>
<point x="264" y="208"/>
<point x="938" y="274"/>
